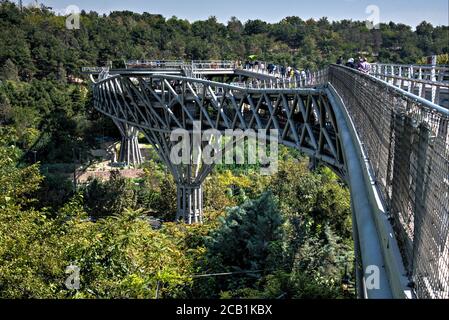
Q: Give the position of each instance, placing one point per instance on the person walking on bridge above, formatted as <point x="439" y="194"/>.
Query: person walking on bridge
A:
<point x="292" y="73"/>
<point x="256" y="66"/>
<point x="298" y="77"/>
<point x="289" y="69"/>
<point x="283" y="71"/>
<point x="364" y="66"/>
<point x="351" y="63"/>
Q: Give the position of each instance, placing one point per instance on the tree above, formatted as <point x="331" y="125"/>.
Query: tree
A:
<point x="9" y="71"/>
<point x="110" y="198"/>
<point x="167" y="204"/>
<point x="123" y="257"/>
<point x="425" y="37"/>
<point x="235" y="27"/>
<point x="17" y="183"/>
<point x="255" y="27"/>
<point x="6" y="111"/>
<point x="249" y="238"/>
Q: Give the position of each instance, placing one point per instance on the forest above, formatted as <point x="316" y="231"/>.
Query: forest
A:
<point x="284" y="236"/>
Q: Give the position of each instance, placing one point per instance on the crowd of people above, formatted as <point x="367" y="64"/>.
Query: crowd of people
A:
<point x="361" y="64"/>
<point x="293" y="76"/>
<point x="280" y="71"/>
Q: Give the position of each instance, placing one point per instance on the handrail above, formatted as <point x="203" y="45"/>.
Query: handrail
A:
<point x="400" y="91"/>
<point x="213" y="64"/>
<point x="169" y="64"/>
<point x="433" y="83"/>
<point x="426" y="67"/>
<point x="416" y="72"/>
<point x="94" y="69"/>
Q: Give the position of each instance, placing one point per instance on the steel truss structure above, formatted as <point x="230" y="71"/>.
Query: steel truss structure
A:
<point x="390" y="146"/>
<point x="157" y="104"/>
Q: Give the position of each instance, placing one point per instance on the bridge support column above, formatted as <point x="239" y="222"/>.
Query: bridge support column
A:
<point x="190" y="203"/>
<point x="129" y="148"/>
<point x="184" y="161"/>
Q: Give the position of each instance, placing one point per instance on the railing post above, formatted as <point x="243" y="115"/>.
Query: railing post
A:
<point x="433" y="78"/>
<point x="410" y="76"/>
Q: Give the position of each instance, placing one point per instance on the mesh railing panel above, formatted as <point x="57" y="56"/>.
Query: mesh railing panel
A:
<point x="407" y="143"/>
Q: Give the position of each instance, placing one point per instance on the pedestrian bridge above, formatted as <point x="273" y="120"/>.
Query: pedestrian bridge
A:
<point x="388" y="144"/>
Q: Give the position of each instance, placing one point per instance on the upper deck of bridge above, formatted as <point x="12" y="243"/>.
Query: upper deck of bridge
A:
<point x="429" y="82"/>
<point x="196" y="68"/>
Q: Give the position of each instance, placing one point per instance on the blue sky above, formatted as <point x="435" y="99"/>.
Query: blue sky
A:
<point x="411" y="12"/>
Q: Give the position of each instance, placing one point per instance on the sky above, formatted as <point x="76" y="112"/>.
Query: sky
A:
<point x="410" y="12"/>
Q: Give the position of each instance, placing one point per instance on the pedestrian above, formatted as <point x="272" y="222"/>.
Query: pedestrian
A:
<point x="351" y="63"/>
<point x="283" y="71"/>
<point x="298" y="77"/>
<point x="292" y="73"/>
<point x="364" y="66"/>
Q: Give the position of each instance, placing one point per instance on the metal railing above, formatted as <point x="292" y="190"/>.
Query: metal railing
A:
<point x="275" y="81"/>
<point x="94" y="69"/>
<point x="213" y="64"/>
<point x="160" y="64"/>
<point x="428" y="82"/>
<point x="263" y="69"/>
<point x="406" y="139"/>
<point x="418" y="72"/>
<point x="197" y="68"/>
<point x="429" y="90"/>
<point x="178" y="64"/>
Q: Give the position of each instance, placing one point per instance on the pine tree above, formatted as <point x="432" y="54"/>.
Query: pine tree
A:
<point x="249" y="236"/>
<point x="9" y="71"/>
